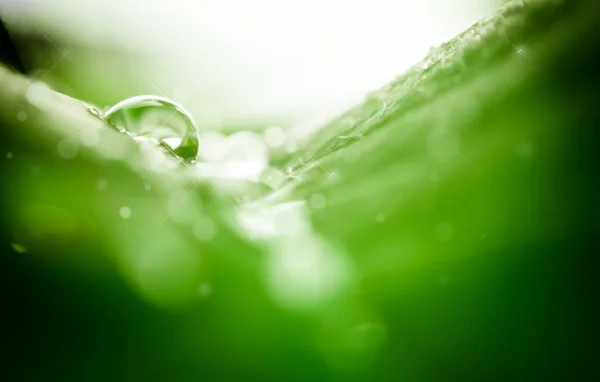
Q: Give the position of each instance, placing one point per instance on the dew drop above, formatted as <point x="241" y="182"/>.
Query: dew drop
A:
<point x="204" y="289"/>
<point x="9" y="155"/>
<point x="22" y="116"/>
<point x="154" y="118"/>
<point x="125" y="212"/>
<point x="95" y="112"/>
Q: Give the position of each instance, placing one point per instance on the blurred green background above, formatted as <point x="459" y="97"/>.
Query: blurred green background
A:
<point x="445" y="229"/>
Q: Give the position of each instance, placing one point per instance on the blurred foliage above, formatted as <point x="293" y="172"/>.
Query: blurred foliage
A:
<point x="451" y="232"/>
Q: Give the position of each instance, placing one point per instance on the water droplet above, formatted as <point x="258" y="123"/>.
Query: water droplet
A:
<point x="22" y="116"/>
<point x="125" y="212"/>
<point x="147" y="187"/>
<point x="156" y="118"/>
<point x="204" y="289"/>
<point x="9" y="155"/>
<point x="95" y="112"/>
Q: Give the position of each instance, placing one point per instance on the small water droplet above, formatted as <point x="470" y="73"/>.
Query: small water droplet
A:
<point x="204" y="289"/>
<point x="147" y="187"/>
<point x="22" y="116"/>
<point x="95" y="112"/>
<point x="154" y="118"/>
<point x="9" y="155"/>
<point x="125" y="212"/>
